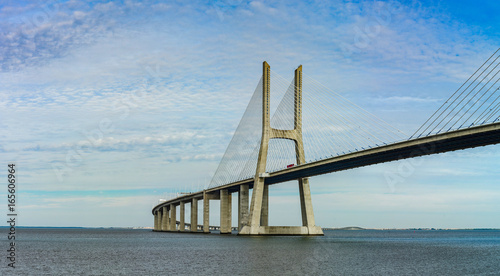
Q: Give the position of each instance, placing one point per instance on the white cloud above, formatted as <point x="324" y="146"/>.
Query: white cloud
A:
<point x="407" y="99"/>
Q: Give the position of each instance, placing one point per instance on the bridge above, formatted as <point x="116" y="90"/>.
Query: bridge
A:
<point x="269" y="147"/>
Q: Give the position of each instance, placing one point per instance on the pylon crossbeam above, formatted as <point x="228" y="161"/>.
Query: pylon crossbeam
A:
<point x="284" y="134"/>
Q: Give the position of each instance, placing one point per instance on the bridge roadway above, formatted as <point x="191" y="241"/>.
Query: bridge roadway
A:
<point x="439" y="143"/>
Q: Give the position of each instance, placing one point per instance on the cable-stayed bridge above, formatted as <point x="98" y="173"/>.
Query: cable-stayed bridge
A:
<point x="315" y="131"/>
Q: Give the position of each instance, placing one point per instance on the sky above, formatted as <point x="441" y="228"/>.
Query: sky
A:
<point x="108" y="106"/>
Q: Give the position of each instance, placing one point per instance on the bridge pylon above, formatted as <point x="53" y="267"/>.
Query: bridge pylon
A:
<point x="255" y="222"/>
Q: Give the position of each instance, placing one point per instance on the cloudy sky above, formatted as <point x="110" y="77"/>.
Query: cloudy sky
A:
<point x="107" y="106"/>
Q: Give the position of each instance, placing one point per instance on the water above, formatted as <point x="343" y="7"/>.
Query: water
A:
<point x="143" y="252"/>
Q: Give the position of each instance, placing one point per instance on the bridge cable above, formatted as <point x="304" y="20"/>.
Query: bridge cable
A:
<point x="426" y="125"/>
<point x="468" y="100"/>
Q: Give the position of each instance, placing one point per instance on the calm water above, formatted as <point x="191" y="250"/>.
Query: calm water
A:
<point x="142" y="252"/>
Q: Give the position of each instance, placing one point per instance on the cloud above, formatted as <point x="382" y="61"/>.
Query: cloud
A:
<point x="407" y="99"/>
<point x="48" y="31"/>
<point x="96" y="201"/>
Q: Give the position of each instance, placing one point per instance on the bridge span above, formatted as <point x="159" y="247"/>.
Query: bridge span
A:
<point x="455" y="140"/>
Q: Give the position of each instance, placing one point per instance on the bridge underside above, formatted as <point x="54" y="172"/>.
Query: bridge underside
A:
<point x="457" y="140"/>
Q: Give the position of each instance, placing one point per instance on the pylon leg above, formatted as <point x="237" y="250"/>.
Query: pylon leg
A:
<point x="264" y="212"/>
<point x="253" y="226"/>
<point x="258" y="223"/>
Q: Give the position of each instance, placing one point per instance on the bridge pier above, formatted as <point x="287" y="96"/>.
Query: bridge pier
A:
<point x="155" y="227"/>
<point x="182" y="225"/>
<point x="230" y="212"/>
<point x="164" y="219"/>
<point x="194" y="215"/>
<point x="243" y="194"/>
<point x="173" y="220"/>
<point x="264" y="212"/>
<point x="225" y="212"/>
<point x="306" y="205"/>
<point x="206" y="213"/>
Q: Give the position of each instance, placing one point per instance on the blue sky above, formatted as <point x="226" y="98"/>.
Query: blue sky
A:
<point x="110" y="105"/>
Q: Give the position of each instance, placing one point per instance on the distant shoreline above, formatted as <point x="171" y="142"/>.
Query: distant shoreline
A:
<point x="355" y="228"/>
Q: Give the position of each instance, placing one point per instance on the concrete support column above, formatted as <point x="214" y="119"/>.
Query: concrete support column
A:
<point x="194" y="215"/>
<point x="155" y="227"/>
<point x="306" y="203"/>
<point x="255" y="208"/>
<point x="264" y="215"/>
<point x="182" y="225"/>
<point x="206" y="213"/>
<point x="164" y="219"/>
<point x="230" y="211"/>
<point x="225" y="220"/>
<point x="160" y="216"/>
<point x="173" y="220"/>
<point x="243" y="195"/>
